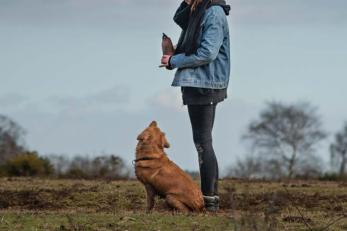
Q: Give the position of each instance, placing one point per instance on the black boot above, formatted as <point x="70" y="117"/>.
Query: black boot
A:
<point x="211" y="203"/>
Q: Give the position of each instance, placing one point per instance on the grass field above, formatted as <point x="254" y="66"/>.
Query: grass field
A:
<point x="38" y="204"/>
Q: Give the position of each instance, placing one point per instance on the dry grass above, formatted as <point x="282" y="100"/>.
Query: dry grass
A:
<point x="39" y="204"/>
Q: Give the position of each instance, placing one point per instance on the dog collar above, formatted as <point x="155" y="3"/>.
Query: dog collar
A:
<point x="141" y="159"/>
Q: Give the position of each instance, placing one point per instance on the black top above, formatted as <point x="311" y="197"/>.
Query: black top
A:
<point x="202" y="96"/>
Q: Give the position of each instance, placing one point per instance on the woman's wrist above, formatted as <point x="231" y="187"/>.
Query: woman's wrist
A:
<point x="169" y="67"/>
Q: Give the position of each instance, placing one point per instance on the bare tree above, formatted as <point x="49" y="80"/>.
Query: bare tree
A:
<point x="107" y="166"/>
<point x="11" y="138"/>
<point x="338" y="151"/>
<point x="256" y="167"/>
<point x="248" y="167"/>
<point x="104" y="166"/>
<point x="60" y="163"/>
<point x="285" y="133"/>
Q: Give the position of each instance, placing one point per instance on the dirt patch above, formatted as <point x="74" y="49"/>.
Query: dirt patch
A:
<point x="110" y="197"/>
<point x="40" y="198"/>
<point x="135" y="200"/>
<point x="297" y="219"/>
<point x="239" y="201"/>
<point x="343" y="185"/>
<point x="25" y="199"/>
<point x="4" y="204"/>
<point x="230" y="199"/>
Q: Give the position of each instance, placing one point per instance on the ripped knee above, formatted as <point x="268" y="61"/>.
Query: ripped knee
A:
<point x="199" y="147"/>
<point x="200" y="150"/>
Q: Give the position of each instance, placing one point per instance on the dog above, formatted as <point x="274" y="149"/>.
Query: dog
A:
<point x="161" y="176"/>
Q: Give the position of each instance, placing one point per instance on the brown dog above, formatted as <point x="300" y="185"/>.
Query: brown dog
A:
<point x="161" y="176"/>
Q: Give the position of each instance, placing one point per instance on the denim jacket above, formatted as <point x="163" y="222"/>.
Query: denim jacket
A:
<point x="209" y="67"/>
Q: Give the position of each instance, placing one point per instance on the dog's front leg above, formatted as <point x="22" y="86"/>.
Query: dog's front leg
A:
<point x="176" y="204"/>
<point x="150" y="197"/>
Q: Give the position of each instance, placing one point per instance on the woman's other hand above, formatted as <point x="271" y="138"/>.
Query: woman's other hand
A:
<point x="165" y="60"/>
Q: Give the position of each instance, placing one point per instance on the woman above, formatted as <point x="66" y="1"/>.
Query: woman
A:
<point x="202" y="59"/>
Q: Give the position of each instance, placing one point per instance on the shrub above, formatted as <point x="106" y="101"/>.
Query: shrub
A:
<point x="83" y="167"/>
<point x="2" y="171"/>
<point x="332" y="176"/>
<point x="28" y="164"/>
<point x="75" y="173"/>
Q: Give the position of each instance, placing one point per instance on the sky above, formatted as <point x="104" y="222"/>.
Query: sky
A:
<point x="82" y="76"/>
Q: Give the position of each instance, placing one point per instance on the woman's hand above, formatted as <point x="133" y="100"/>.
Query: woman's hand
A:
<point x="189" y="2"/>
<point x="165" y="60"/>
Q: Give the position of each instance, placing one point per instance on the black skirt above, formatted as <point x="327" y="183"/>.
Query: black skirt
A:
<point x="202" y="96"/>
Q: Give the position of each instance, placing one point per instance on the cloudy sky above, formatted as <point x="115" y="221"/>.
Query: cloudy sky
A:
<point x="82" y="76"/>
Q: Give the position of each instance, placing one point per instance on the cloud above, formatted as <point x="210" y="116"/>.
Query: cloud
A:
<point x="110" y="99"/>
<point x="12" y="100"/>
<point x="139" y="13"/>
<point x="115" y="95"/>
<point x="82" y="13"/>
<point x="168" y="98"/>
<point x="283" y="12"/>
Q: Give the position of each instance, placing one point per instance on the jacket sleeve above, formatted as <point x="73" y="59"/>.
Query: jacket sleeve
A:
<point x="211" y="41"/>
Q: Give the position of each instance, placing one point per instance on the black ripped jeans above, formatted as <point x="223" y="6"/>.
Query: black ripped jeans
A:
<point x="202" y="120"/>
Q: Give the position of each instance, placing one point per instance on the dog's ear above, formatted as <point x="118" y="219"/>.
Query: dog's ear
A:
<point x="144" y="136"/>
<point x="153" y="124"/>
<point x="164" y="142"/>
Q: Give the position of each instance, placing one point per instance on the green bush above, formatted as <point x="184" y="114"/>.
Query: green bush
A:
<point x="332" y="176"/>
<point x="83" y="167"/>
<point x="28" y="164"/>
<point x="75" y="173"/>
<point x="2" y="171"/>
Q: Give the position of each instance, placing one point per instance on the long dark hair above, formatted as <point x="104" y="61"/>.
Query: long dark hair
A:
<point x="196" y="3"/>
